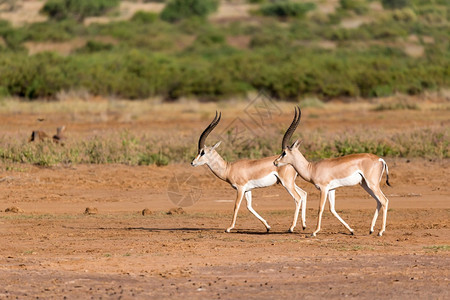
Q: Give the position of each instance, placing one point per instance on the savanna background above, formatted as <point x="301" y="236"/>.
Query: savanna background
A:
<point x="136" y="82"/>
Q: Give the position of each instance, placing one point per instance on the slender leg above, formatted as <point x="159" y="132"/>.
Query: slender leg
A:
<point x="323" y="200"/>
<point x="384" y="204"/>
<point x="379" y="200"/>
<point x="293" y="191"/>
<point x="303" y="196"/>
<point x="375" y="217"/>
<point x="237" y="204"/>
<point x="331" y="199"/>
<point x="248" y="197"/>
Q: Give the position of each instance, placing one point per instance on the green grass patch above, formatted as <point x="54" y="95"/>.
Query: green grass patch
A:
<point x="438" y="248"/>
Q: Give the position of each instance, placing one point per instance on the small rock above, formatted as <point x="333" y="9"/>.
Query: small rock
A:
<point x="91" y="211"/>
<point x="147" y="212"/>
<point x="14" y="209"/>
<point x="176" y="211"/>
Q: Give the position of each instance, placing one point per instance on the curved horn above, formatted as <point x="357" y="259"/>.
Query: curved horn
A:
<point x="291" y="128"/>
<point x="204" y="135"/>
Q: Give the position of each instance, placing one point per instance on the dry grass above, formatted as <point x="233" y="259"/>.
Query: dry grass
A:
<point x="148" y="132"/>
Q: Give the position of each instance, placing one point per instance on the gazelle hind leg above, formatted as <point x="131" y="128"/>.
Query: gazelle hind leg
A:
<point x="303" y="196"/>
<point x="248" y="197"/>
<point x="385" y="204"/>
<point x="377" y="210"/>
<point x="331" y="199"/>
<point x="292" y="190"/>
<point x="237" y="204"/>
<point x="382" y="201"/>
<point x="323" y="200"/>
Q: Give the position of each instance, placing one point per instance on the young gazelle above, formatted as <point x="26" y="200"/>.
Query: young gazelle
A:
<point x="329" y="174"/>
<point x="59" y="137"/>
<point x="245" y="175"/>
<point x="38" y="136"/>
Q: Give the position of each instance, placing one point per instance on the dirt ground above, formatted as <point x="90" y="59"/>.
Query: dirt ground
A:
<point x="53" y="250"/>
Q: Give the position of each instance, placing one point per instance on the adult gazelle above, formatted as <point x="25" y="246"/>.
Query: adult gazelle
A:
<point x="246" y="175"/>
<point x="329" y="174"/>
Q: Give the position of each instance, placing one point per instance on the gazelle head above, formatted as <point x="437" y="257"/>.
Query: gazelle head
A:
<point x="289" y="152"/>
<point x="207" y="155"/>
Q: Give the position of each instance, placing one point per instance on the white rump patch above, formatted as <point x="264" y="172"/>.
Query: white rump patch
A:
<point x="267" y="180"/>
<point x="353" y="179"/>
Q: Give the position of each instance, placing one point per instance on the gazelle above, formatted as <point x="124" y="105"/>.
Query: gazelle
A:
<point x="245" y="175"/>
<point x="329" y="174"/>
<point x="59" y="137"/>
<point x="38" y="136"/>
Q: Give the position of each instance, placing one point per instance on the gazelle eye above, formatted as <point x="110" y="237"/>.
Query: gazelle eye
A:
<point x="202" y="152"/>
<point x="283" y="154"/>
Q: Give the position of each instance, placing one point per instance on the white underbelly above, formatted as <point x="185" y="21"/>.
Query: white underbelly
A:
<point x="353" y="179"/>
<point x="267" y="180"/>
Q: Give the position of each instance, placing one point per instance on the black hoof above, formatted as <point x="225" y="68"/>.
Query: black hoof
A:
<point x="370" y="232"/>
<point x="352" y="233"/>
<point x="304" y="227"/>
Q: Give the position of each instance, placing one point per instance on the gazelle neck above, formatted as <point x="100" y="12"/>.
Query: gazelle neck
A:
<point x="219" y="166"/>
<point x="302" y="166"/>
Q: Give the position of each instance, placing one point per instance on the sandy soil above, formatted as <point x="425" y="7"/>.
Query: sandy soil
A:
<point x="52" y="249"/>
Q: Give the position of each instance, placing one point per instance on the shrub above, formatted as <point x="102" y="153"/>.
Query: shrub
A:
<point x="77" y="9"/>
<point x="176" y="10"/>
<point x="404" y="15"/>
<point x="52" y="31"/>
<point x="358" y="6"/>
<point x="95" y="46"/>
<point x="285" y="9"/>
<point x="144" y="17"/>
<point x="395" y="4"/>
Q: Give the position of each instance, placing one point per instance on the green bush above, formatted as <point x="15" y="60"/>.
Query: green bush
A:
<point x="285" y="9"/>
<point x="358" y="6"/>
<point x="77" y="9"/>
<point x="95" y="46"/>
<point x="53" y="31"/>
<point x="176" y="10"/>
<point x="395" y="4"/>
<point x="144" y="17"/>
<point x="39" y="76"/>
<point x="404" y="15"/>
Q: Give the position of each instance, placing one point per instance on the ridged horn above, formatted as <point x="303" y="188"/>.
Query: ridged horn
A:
<point x="287" y="136"/>
<point x="202" y="139"/>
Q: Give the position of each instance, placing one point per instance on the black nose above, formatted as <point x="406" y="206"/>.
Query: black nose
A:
<point x="192" y="163"/>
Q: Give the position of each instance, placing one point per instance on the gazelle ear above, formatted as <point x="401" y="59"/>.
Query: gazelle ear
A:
<point x="217" y="144"/>
<point x="296" y="144"/>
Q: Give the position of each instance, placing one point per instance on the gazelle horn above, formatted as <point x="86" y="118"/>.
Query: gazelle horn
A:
<point x="287" y="136"/>
<point x="204" y="135"/>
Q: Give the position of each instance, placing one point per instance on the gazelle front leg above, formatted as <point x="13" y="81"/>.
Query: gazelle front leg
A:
<point x="237" y="204"/>
<point x="323" y="200"/>
<point x="248" y="197"/>
<point x="303" y="196"/>
<point x="331" y="199"/>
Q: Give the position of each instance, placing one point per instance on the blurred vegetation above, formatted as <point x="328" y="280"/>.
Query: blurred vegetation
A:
<point x="77" y="9"/>
<point x="285" y="52"/>
<point x="127" y="148"/>
<point x="176" y="10"/>
<point x="287" y="9"/>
